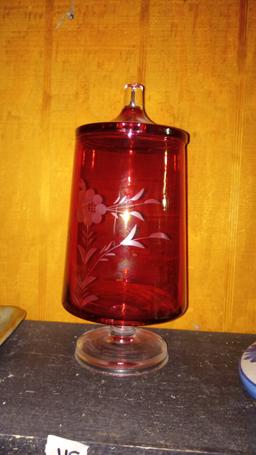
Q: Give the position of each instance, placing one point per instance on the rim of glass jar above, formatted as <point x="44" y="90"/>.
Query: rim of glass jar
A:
<point x="134" y="127"/>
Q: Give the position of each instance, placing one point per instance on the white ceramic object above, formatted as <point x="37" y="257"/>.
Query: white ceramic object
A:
<point x="247" y="370"/>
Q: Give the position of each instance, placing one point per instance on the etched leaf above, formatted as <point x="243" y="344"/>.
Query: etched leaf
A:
<point x="89" y="299"/>
<point x="106" y="247"/>
<point x="134" y="243"/>
<point x="75" y="299"/>
<point x="152" y="201"/>
<point x="87" y="235"/>
<point x="87" y="241"/>
<point x="103" y="260"/>
<point x="89" y="279"/>
<point x="124" y="199"/>
<point x="84" y="283"/>
<point x="138" y="195"/>
<point x="90" y="241"/>
<point x="159" y="235"/>
<point x="110" y="254"/>
<point x="129" y="236"/>
<point x="109" y="245"/>
<point x="82" y="184"/>
<point x="89" y="254"/>
<point x="117" y="199"/>
<point x="82" y="252"/>
<point x="137" y="215"/>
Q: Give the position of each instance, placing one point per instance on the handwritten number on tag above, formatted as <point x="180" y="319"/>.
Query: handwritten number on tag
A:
<point x="73" y="452"/>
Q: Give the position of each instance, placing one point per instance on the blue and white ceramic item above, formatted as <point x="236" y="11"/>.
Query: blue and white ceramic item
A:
<point x="247" y="370"/>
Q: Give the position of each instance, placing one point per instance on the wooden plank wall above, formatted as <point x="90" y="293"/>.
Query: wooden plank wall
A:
<point x="197" y="59"/>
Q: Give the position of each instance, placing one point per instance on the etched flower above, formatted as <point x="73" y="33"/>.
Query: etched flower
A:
<point x="90" y="207"/>
<point x="250" y="353"/>
<point x="90" y="211"/>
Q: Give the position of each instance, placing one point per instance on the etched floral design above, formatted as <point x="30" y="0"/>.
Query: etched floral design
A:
<point x="250" y="353"/>
<point x="90" y="206"/>
<point x="122" y="205"/>
<point x="91" y="210"/>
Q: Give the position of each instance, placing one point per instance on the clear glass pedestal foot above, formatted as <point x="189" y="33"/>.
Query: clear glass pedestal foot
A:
<point x="121" y="351"/>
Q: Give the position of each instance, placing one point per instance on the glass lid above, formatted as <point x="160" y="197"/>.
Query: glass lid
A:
<point x="133" y="118"/>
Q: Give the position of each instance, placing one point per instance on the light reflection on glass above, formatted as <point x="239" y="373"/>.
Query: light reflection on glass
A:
<point x="164" y="198"/>
<point x="126" y="216"/>
<point x="93" y="159"/>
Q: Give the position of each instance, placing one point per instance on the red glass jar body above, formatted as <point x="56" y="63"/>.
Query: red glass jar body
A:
<point x="127" y="250"/>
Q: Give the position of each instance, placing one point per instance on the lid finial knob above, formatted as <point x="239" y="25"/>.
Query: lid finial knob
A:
<point x="134" y="105"/>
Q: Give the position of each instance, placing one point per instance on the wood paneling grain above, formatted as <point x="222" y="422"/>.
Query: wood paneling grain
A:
<point x="197" y="59"/>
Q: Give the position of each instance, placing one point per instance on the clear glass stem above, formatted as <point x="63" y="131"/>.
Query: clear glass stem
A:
<point x="122" y="334"/>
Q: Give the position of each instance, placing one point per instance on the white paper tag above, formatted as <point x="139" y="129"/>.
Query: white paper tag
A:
<point x="60" y="446"/>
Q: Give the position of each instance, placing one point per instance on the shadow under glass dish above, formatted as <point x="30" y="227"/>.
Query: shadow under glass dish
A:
<point x="127" y="251"/>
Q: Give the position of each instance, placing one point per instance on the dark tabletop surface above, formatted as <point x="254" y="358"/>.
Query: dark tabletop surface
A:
<point x="194" y="405"/>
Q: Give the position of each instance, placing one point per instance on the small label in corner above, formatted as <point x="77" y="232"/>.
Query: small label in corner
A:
<point x="61" y="446"/>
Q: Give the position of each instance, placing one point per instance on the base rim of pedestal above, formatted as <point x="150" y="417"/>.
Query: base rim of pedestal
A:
<point x="100" y="351"/>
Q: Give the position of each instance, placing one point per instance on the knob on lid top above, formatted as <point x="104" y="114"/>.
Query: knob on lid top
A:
<point x="134" y="105"/>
